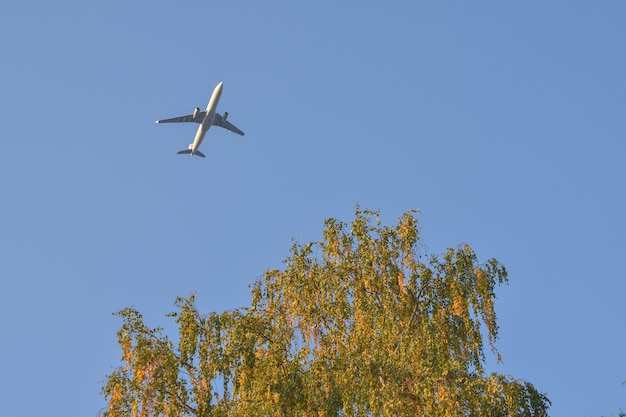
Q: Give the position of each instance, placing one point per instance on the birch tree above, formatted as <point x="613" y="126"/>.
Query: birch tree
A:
<point x="360" y="323"/>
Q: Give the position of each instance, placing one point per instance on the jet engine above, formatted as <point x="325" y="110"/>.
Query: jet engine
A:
<point x="190" y="145"/>
<point x="224" y="117"/>
<point x="195" y="112"/>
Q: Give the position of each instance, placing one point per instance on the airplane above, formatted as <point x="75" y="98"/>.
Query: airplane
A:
<point x="206" y="118"/>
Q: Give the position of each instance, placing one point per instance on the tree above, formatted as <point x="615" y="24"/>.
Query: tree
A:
<point x="357" y="324"/>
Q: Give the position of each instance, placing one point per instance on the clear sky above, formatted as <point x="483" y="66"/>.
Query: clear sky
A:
<point x="503" y="122"/>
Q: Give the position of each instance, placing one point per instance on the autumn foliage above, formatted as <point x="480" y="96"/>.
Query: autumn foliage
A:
<point x="358" y="324"/>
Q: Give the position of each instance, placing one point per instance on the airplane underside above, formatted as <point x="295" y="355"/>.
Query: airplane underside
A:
<point x="206" y="119"/>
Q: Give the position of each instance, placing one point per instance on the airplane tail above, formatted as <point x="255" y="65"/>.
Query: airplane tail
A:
<point x="188" y="151"/>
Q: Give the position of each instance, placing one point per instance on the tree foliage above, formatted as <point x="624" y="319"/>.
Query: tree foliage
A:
<point x="358" y="324"/>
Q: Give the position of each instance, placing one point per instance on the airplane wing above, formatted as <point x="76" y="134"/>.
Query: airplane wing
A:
<point x="222" y="122"/>
<point x="199" y="116"/>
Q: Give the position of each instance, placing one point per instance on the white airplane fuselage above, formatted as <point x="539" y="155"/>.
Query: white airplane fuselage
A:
<point x="208" y="118"/>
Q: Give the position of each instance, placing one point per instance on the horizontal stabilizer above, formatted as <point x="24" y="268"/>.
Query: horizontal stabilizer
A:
<point x="188" y="151"/>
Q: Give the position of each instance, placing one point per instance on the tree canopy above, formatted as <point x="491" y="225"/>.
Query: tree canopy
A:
<point x="358" y="324"/>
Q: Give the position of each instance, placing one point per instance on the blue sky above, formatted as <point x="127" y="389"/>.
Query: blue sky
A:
<point x="502" y="122"/>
